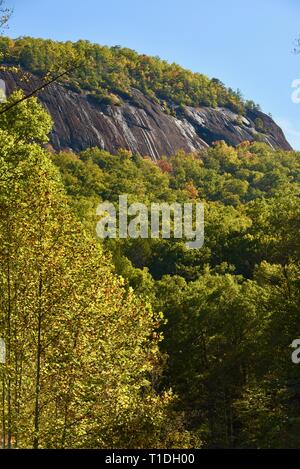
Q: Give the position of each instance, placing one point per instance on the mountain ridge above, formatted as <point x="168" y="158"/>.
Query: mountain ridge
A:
<point x="141" y="125"/>
<point x="120" y="99"/>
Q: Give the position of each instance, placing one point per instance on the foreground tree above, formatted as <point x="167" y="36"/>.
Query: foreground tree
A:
<point x="82" y="351"/>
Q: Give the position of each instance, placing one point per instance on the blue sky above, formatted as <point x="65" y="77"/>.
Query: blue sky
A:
<point x="246" y="44"/>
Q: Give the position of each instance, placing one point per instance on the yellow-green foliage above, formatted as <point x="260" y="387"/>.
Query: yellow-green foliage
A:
<point x="106" y="71"/>
<point x="82" y="349"/>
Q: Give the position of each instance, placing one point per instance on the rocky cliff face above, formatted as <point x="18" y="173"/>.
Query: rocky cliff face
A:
<point x="143" y="126"/>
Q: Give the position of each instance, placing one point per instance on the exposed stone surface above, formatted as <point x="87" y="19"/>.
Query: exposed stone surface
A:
<point x="141" y="125"/>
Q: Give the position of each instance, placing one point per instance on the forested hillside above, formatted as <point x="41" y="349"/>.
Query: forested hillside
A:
<point x="232" y="306"/>
<point x="140" y="343"/>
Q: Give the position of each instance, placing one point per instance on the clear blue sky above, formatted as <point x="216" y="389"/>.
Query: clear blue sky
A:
<point x="246" y="44"/>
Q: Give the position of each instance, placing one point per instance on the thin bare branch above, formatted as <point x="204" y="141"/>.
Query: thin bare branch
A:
<point x="5" y="14"/>
<point x="38" y="89"/>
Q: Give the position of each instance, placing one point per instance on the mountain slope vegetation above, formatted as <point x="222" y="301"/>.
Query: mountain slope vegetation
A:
<point x="139" y="343"/>
<point x="105" y="71"/>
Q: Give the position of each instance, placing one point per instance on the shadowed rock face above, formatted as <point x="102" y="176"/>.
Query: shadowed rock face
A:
<point x="141" y="125"/>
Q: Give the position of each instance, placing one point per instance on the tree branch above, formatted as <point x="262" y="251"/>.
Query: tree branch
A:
<point x="37" y="90"/>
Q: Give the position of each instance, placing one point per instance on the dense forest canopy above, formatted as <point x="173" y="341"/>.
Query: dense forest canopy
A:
<point x="108" y="73"/>
<point x="231" y="306"/>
